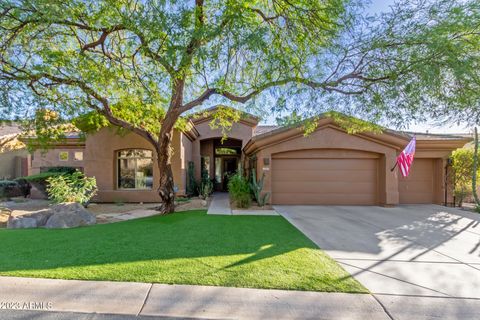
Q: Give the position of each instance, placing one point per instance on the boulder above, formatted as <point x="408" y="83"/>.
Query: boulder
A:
<point x="41" y="216"/>
<point x="21" y="222"/>
<point x="69" y="215"/>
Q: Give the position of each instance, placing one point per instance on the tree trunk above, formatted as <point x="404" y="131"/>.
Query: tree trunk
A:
<point x="166" y="186"/>
<point x="475" y="168"/>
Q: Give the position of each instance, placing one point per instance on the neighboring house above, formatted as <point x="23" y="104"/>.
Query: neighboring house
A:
<point x="328" y="166"/>
<point x="13" y="153"/>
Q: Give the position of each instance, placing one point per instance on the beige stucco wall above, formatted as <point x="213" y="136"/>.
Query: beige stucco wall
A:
<point x="9" y="163"/>
<point x="50" y="158"/>
<point x="239" y="131"/>
<point x="100" y="162"/>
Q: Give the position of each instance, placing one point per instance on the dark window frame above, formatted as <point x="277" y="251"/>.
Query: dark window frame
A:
<point x="136" y="157"/>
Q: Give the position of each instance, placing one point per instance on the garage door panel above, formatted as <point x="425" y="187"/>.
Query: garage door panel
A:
<point x="326" y="199"/>
<point x="418" y="187"/>
<point x="323" y="187"/>
<point x="325" y="164"/>
<point x="324" y="176"/>
<point x="324" y="181"/>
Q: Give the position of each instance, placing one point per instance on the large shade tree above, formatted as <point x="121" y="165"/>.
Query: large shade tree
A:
<point x="141" y="65"/>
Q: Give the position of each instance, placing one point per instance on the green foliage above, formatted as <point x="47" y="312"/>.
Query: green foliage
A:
<point x="14" y="188"/>
<point x="257" y="187"/>
<point x="7" y="188"/>
<point x="475" y="168"/>
<point x="75" y="187"/>
<point x="239" y="190"/>
<point x="192" y="188"/>
<point x="90" y="122"/>
<point x="462" y="165"/>
<point x="182" y="248"/>
<point x="42" y="176"/>
<point x="61" y="169"/>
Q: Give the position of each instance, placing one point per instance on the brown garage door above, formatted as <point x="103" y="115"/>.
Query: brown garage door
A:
<point x="418" y="187"/>
<point x="324" y="181"/>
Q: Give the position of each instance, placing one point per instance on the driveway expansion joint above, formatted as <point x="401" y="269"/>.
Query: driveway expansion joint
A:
<point x="145" y="300"/>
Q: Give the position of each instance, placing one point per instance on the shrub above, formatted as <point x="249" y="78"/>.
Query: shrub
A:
<point x="243" y="200"/>
<point x="24" y="186"/>
<point x="462" y="165"/>
<point x="239" y="190"/>
<point x="75" y="187"/>
<point x="39" y="180"/>
<point x="8" y="189"/>
<point x="14" y="188"/>
<point x="61" y="169"/>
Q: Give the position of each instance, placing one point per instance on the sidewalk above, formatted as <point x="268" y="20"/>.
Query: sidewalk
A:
<point x="187" y="301"/>
<point x="146" y="299"/>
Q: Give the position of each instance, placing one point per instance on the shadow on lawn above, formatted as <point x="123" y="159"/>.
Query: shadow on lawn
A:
<point x="180" y="235"/>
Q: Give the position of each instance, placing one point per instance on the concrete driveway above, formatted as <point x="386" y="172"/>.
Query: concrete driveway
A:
<point x="421" y="250"/>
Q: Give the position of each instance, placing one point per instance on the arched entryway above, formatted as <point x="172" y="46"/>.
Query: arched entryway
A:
<point x="221" y="159"/>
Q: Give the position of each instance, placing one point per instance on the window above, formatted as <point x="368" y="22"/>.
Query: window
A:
<point x="63" y="156"/>
<point x="226" y="151"/>
<point x="135" y="169"/>
<point x="218" y="170"/>
<point x="78" y="156"/>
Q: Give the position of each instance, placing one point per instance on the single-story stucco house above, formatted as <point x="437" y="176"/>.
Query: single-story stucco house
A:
<point x="329" y="166"/>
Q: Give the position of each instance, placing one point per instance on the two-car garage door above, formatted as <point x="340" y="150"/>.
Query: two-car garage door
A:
<point x="325" y="180"/>
<point x="343" y="178"/>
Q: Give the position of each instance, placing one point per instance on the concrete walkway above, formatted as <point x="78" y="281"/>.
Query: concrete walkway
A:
<point x="147" y="299"/>
<point x="220" y="204"/>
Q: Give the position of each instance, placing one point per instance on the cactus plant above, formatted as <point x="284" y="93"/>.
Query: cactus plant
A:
<point x="192" y="188"/>
<point x="257" y="187"/>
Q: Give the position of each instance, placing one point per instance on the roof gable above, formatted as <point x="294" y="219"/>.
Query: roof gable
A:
<point x="207" y="115"/>
<point x="387" y="137"/>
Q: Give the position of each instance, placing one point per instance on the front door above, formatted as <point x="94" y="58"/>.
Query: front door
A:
<point x="229" y="168"/>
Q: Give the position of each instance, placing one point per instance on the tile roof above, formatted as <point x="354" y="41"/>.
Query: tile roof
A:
<point x="434" y="136"/>
<point x="7" y="129"/>
<point x="264" y="129"/>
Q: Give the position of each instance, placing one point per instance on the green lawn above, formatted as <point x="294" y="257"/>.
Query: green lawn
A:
<point x="183" y="248"/>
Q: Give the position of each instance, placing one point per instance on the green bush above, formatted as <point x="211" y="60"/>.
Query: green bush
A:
<point x="239" y="190"/>
<point x="7" y="188"/>
<point x="75" y="187"/>
<point x="462" y="165"/>
<point x="14" y="188"/>
<point x="61" y="169"/>
<point x="243" y="200"/>
<point x="42" y="177"/>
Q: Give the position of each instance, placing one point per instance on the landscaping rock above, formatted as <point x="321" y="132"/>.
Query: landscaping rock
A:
<point x="41" y="216"/>
<point x="69" y="215"/>
<point x="21" y="222"/>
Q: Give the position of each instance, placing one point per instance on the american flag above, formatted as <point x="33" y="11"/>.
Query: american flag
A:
<point x="405" y="159"/>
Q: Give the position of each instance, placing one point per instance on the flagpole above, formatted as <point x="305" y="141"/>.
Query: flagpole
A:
<point x="391" y="170"/>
